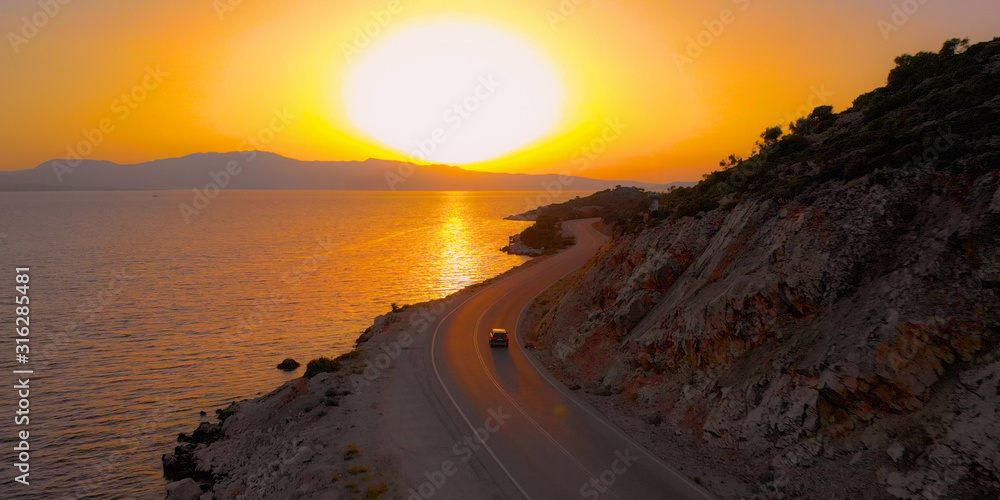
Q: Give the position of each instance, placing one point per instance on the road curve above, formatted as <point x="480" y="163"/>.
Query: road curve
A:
<point x="543" y="443"/>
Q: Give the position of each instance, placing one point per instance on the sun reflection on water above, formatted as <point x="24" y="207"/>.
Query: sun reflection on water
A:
<point x="455" y="254"/>
<point x="263" y="277"/>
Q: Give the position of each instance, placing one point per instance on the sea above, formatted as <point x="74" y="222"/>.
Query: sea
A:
<point x="142" y="317"/>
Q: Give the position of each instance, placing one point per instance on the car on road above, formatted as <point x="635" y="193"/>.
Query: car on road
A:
<point x="498" y="338"/>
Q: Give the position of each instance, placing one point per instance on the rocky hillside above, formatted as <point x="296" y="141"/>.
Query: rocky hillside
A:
<point x="831" y="300"/>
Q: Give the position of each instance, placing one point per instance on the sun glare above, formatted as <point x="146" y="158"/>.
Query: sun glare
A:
<point x="453" y="92"/>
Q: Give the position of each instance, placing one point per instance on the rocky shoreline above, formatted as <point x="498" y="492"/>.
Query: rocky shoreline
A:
<point x="326" y="436"/>
<point x="310" y="438"/>
<point x="529" y="216"/>
<point x="516" y="247"/>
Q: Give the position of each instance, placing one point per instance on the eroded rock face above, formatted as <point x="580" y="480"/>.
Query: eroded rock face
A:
<point x="185" y="489"/>
<point x="863" y="311"/>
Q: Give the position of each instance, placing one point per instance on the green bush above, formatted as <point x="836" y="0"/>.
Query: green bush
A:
<point x="321" y="365"/>
<point x="545" y="233"/>
<point x="348" y="355"/>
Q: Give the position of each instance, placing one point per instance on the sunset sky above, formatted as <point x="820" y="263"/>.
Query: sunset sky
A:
<point x="572" y="76"/>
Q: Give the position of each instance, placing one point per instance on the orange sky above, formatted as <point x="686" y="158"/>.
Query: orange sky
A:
<point x="205" y="74"/>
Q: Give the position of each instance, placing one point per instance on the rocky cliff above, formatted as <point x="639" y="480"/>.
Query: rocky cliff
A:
<point x="831" y="301"/>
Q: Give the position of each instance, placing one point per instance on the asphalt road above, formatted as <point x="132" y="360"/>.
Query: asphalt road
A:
<point x="539" y="441"/>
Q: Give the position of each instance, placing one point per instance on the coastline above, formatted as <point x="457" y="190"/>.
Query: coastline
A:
<point x="334" y="435"/>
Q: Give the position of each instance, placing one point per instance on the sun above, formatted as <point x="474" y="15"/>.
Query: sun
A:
<point x="453" y="92"/>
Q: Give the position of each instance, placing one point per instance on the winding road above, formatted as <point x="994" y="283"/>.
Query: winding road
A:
<point x="541" y="442"/>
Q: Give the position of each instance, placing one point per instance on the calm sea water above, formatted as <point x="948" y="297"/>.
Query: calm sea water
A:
<point x="140" y="320"/>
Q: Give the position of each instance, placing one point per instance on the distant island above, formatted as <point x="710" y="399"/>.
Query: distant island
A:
<point x="269" y="171"/>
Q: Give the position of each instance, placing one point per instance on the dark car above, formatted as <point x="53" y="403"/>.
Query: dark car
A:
<point x="498" y="338"/>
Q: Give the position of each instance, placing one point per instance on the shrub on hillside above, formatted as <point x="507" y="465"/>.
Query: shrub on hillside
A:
<point x="321" y="365"/>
